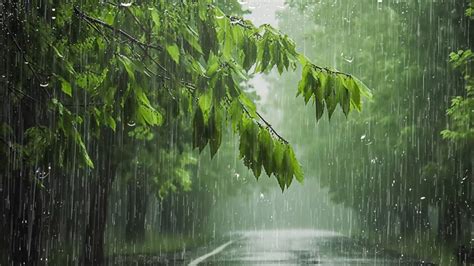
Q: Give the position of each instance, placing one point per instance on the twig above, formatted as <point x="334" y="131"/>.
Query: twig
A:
<point x="123" y="33"/>
<point x="23" y="94"/>
<point x="35" y="74"/>
<point x="238" y="21"/>
<point x="331" y="71"/>
<point x="268" y="125"/>
<point x="271" y="128"/>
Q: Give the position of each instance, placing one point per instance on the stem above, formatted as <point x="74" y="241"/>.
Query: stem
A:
<point x="35" y="74"/>
<point x="121" y="32"/>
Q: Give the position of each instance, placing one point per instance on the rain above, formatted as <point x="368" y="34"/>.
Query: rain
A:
<point x="237" y="132"/>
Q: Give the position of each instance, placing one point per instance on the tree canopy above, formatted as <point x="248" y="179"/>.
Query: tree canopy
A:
<point x="113" y="65"/>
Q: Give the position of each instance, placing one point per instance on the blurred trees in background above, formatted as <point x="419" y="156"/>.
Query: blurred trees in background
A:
<point x="392" y="165"/>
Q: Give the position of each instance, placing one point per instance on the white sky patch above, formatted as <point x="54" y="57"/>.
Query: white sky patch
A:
<point x="263" y="12"/>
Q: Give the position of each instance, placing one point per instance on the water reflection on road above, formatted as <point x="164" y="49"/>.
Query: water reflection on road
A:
<point x="299" y="246"/>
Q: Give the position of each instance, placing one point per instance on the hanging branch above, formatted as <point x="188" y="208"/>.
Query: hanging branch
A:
<point x="235" y="20"/>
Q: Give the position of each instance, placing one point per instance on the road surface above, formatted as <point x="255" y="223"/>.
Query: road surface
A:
<point x="296" y="247"/>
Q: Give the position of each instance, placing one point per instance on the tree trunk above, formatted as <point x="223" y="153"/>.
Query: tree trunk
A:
<point x="21" y="205"/>
<point x="24" y="220"/>
<point x="408" y="221"/>
<point x="136" y="210"/>
<point x="99" y="191"/>
<point x="449" y="223"/>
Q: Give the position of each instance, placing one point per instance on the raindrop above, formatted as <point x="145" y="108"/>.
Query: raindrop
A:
<point x="53" y="18"/>
<point x="422" y="198"/>
<point x="44" y="85"/>
<point x="219" y="17"/>
<point x="362" y="137"/>
<point x="242" y="2"/>
<point x="348" y="59"/>
<point x="126" y="4"/>
<point x="262" y="196"/>
<point x="131" y="123"/>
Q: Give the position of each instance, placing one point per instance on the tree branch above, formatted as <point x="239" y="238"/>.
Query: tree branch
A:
<point x="35" y="74"/>
<point x="268" y="125"/>
<point x="121" y="32"/>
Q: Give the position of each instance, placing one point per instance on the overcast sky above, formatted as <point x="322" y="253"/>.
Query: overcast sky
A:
<point x="263" y="11"/>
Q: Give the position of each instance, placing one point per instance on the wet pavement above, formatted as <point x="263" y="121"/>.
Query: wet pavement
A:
<point x="297" y="247"/>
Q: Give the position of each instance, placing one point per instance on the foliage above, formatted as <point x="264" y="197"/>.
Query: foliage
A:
<point x="121" y="58"/>
<point x="461" y="111"/>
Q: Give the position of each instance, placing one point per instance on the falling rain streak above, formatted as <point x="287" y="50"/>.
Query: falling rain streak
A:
<point x="132" y="133"/>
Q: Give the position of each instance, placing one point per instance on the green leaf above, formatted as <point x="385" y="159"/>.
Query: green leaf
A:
<point x="110" y="121"/>
<point x="215" y="130"/>
<point x="173" y="51"/>
<point x="82" y="148"/>
<point x="266" y="55"/>
<point x="354" y="93"/>
<point x="192" y="38"/>
<point x="265" y="143"/>
<point x="278" y="169"/>
<point x="235" y="114"/>
<point x="128" y="65"/>
<point x="66" y="86"/>
<point x="248" y="104"/>
<point x="212" y="65"/>
<point x="155" y="16"/>
<point x="200" y="132"/>
<point x="250" y="54"/>
<point x="319" y="106"/>
<point x="149" y="115"/>
<point x="287" y="170"/>
<point x="295" y="165"/>
<point x="364" y="90"/>
<point x="330" y="94"/>
<point x="205" y="103"/>
<point x="228" y="44"/>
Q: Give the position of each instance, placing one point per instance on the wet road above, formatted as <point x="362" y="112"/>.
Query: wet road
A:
<point x="296" y="247"/>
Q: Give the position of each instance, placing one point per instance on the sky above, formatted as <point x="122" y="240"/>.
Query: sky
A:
<point x="262" y="11"/>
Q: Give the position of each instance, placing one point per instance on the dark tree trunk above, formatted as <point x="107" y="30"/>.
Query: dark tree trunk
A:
<point x="450" y="223"/>
<point x="105" y="170"/>
<point x="21" y="205"/>
<point x="25" y="220"/>
<point x="408" y="221"/>
<point x="168" y="215"/>
<point x="455" y="210"/>
<point x="136" y="210"/>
